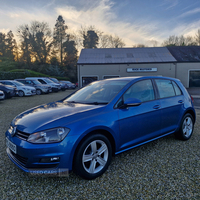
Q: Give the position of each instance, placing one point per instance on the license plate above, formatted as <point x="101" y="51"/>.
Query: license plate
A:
<point x="11" y="146"/>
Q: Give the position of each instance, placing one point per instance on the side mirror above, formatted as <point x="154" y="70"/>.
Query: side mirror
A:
<point x="130" y="102"/>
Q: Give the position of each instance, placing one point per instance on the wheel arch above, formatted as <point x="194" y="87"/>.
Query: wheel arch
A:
<point x="192" y="113"/>
<point x="99" y="131"/>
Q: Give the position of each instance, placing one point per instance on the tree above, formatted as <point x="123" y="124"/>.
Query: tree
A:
<point x="2" y="45"/>
<point x="10" y="45"/>
<point x="109" y="41"/>
<point x="59" y="35"/>
<point x="70" y="59"/>
<point x="7" y="45"/>
<point x="24" y="35"/>
<point x="179" y="41"/>
<point x="40" y="40"/>
<point x="35" y="42"/>
<point x="197" y="37"/>
<point x="139" y="46"/>
<point x="90" y="40"/>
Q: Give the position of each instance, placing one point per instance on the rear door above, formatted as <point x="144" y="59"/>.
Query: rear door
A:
<point x="140" y="123"/>
<point x="172" y="102"/>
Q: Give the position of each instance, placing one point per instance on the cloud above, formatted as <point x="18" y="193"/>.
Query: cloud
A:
<point x="169" y="4"/>
<point x="191" y="12"/>
<point x="103" y="17"/>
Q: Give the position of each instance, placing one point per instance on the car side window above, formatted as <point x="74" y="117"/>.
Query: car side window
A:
<point x="142" y="90"/>
<point x="177" y="89"/>
<point x="8" y="83"/>
<point x="165" y="88"/>
<point x="43" y="82"/>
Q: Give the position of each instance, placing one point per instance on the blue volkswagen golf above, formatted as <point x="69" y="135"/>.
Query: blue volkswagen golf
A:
<point x="83" y="131"/>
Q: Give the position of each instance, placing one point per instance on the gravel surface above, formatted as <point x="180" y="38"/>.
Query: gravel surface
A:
<point x="164" y="169"/>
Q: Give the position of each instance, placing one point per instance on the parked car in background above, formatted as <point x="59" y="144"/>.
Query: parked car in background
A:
<point x="43" y="80"/>
<point x="9" y="91"/>
<point x="104" y="118"/>
<point x="2" y="95"/>
<point x="22" y="89"/>
<point x="69" y="84"/>
<point x="64" y="86"/>
<point x="40" y="88"/>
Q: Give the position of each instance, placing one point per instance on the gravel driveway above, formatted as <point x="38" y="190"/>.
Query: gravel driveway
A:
<point x="163" y="169"/>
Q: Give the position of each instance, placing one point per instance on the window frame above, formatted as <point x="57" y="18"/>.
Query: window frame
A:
<point x="122" y="96"/>
<point x="172" y="81"/>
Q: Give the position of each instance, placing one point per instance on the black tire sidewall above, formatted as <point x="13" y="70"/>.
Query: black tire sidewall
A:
<point x="40" y="92"/>
<point x="20" y="92"/>
<point x="78" y="166"/>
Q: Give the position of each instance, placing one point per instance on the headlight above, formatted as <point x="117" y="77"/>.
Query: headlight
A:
<point x="26" y="89"/>
<point x="49" y="136"/>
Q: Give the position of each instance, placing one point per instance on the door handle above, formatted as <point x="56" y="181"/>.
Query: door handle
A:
<point x="156" y="107"/>
<point x="180" y="101"/>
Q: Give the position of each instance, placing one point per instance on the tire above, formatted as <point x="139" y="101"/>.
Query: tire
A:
<point x="38" y="92"/>
<point x="93" y="157"/>
<point x="186" y="127"/>
<point x="7" y="96"/>
<point x="20" y="93"/>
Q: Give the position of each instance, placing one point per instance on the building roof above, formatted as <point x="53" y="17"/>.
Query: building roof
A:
<point x="125" y="55"/>
<point x="185" y="53"/>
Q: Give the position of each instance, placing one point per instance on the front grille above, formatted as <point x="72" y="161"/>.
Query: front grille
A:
<point x="22" y="135"/>
<point x="18" y="158"/>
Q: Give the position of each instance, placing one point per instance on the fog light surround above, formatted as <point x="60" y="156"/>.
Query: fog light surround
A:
<point x="49" y="160"/>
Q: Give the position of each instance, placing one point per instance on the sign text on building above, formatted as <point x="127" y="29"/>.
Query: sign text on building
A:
<point x="141" y="69"/>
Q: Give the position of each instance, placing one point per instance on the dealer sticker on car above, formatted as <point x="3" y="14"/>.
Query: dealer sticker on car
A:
<point x="11" y="146"/>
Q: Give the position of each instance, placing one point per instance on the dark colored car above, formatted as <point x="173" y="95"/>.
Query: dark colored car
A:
<point x="9" y="91"/>
<point x="22" y="89"/>
<point x="64" y="86"/>
<point x="105" y="118"/>
<point x="69" y="84"/>
<point x="40" y="88"/>
<point x="46" y="81"/>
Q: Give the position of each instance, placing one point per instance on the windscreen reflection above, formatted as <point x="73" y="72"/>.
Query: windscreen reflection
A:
<point x="100" y="92"/>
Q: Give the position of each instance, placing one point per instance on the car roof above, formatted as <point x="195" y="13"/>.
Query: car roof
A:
<point x="130" y="78"/>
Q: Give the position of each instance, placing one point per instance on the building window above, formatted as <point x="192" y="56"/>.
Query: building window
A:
<point x="88" y="79"/>
<point x="194" y="80"/>
<point x="110" y="76"/>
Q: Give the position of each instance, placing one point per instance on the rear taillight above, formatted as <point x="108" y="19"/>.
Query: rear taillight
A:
<point x="192" y="99"/>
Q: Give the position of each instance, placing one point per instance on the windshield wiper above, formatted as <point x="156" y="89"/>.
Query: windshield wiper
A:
<point x="97" y="103"/>
<point x="72" y="102"/>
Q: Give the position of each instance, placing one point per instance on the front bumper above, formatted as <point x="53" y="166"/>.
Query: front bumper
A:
<point x="29" y="92"/>
<point x="36" y="157"/>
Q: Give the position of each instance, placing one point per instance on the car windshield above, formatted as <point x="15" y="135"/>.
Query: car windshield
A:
<point x="100" y="92"/>
<point x="48" y="80"/>
<point x="55" y="80"/>
<point x="17" y="83"/>
<point x="36" y="82"/>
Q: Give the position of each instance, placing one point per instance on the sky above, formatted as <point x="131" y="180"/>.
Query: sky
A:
<point x="135" y="21"/>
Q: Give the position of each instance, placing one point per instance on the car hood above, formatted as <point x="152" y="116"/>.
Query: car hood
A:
<point x="51" y="115"/>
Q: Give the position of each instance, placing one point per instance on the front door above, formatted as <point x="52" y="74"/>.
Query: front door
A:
<point x="140" y="123"/>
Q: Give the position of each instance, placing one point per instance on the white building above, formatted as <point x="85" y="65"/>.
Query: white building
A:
<point x="178" y="62"/>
